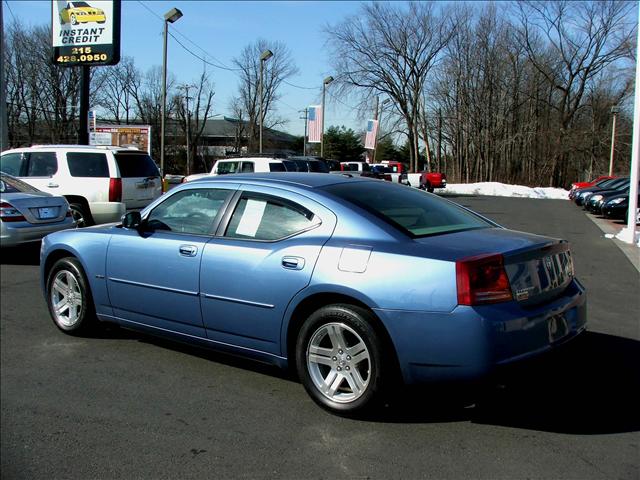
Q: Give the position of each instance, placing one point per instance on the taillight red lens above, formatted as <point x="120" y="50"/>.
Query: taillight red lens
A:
<point x="8" y="213"/>
<point x="482" y="279"/>
<point x="115" y="189"/>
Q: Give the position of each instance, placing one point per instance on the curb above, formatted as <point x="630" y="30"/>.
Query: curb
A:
<point x="631" y="251"/>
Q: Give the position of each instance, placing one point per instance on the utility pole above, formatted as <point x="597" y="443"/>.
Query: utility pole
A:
<point x="304" y="139"/>
<point x="439" y="138"/>
<point x="614" y="110"/>
<point x="188" y="121"/>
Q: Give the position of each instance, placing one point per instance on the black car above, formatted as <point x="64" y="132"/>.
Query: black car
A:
<point x="597" y="199"/>
<point x="612" y="184"/>
<point x="310" y="164"/>
<point x="617" y="207"/>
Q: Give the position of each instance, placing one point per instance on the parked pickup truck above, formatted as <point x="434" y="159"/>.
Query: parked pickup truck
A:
<point x="432" y="180"/>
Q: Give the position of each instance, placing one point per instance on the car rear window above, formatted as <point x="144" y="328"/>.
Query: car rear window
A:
<point x="13" y="185"/>
<point x="134" y="164"/>
<point x="412" y="211"/>
<point x="84" y="164"/>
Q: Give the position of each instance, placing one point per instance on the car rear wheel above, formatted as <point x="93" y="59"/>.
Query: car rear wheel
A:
<point x="340" y="359"/>
<point x="73" y="19"/>
<point x="69" y="297"/>
<point x="80" y="215"/>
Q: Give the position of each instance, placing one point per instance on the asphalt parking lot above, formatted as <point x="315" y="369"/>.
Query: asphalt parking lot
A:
<point x="122" y="405"/>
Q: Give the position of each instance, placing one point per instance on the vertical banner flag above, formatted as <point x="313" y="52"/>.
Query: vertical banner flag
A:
<point x="314" y="123"/>
<point x="372" y="130"/>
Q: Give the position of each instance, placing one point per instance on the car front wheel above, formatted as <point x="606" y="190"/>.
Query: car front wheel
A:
<point x="69" y="297"/>
<point x="340" y="359"/>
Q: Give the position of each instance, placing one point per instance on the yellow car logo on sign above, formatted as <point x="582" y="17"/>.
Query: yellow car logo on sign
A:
<point x="76" y="13"/>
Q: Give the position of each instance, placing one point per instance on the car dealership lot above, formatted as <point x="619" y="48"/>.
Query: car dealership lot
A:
<point x="130" y="406"/>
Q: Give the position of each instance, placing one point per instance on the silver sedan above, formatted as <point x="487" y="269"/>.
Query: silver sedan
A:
<point x="28" y="214"/>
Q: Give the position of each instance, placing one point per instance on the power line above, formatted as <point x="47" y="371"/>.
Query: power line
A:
<point x="6" y="2"/>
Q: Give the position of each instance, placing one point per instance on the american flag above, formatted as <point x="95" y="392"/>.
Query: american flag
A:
<point x="372" y="130"/>
<point x="314" y="123"/>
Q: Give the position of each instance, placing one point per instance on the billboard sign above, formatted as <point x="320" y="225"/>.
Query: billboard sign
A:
<point x="138" y="136"/>
<point x="85" y="33"/>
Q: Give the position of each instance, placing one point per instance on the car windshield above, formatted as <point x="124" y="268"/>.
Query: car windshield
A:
<point x="412" y="211"/>
<point x="79" y="4"/>
<point x="13" y="185"/>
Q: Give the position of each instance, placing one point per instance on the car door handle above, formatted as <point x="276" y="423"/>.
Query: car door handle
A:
<point x="293" y="263"/>
<point x="188" y="250"/>
<point x="53" y="185"/>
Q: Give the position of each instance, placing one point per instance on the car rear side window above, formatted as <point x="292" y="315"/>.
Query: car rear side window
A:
<point x="317" y="166"/>
<point x="136" y="165"/>
<point x="277" y="167"/>
<point x="92" y="165"/>
<point x="42" y="164"/>
<point x="247" y="167"/>
<point x="412" y="211"/>
<point x="189" y="211"/>
<point x="227" y="167"/>
<point x="262" y="217"/>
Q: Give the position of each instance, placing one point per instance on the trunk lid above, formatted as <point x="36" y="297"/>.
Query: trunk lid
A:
<point x="539" y="268"/>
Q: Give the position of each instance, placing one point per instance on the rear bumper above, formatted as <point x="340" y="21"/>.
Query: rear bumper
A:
<point x="468" y="343"/>
<point x="18" y="233"/>
<point x="107" y="212"/>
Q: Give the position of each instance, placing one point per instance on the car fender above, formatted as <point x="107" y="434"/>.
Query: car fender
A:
<point x="89" y="246"/>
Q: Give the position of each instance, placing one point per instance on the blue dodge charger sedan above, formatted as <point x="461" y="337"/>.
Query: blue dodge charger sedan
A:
<point x="354" y="282"/>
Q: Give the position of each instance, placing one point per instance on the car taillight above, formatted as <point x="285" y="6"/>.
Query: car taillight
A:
<point x="115" y="189"/>
<point x="8" y="213"/>
<point x="482" y="279"/>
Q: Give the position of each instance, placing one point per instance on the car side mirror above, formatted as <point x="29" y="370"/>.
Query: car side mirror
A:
<point x="132" y="220"/>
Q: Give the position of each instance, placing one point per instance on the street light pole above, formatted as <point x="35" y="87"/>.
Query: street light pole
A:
<point x="304" y="139"/>
<point x="615" y="109"/>
<point x="169" y="17"/>
<point x="325" y="82"/>
<point x="266" y="55"/>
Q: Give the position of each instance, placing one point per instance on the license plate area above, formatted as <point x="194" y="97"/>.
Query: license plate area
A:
<point x="557" y="327"/>
<point x="47" y="213"/>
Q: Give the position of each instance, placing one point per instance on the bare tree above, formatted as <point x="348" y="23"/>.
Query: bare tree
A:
<point x="387" y="49"/>
<point x="570" y="44"/>
<point x="119" y="85"/>
<point x="193" y="108"/>
<point x="277" y="69"/>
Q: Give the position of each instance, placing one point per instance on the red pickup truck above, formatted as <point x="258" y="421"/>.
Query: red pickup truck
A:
<point x="431" y="180"/>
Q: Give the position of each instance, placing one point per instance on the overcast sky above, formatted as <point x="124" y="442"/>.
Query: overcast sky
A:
<point x="222" y="29"/>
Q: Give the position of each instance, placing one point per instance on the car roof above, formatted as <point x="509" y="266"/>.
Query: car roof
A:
<point x="113" y="148"/>
<point x="306" y="179"/>
<point x="252" y="159"/>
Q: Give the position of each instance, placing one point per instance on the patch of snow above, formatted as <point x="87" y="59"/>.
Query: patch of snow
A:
<point x="503" y="190"/>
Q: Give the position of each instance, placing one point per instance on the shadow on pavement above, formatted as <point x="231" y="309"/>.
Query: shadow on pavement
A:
<point x="22" y="255"/>
<point x="589" y="387"/>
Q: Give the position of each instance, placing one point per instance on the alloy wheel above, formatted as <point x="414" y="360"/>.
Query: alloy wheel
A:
<point x="338" y="362"/>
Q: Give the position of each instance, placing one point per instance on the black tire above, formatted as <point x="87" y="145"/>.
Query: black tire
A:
<point x="370" y="375"/>
<point x="67" y="286"/>
<point x="80" y="215"/>
<point x="73" y="19"/>
<point x="429" y="187"/>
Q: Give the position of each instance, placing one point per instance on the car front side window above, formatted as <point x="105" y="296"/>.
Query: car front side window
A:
<point x="262" y="217"/>
<point x="191" y="211"/>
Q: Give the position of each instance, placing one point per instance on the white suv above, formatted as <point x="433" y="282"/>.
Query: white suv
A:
<point x="246" y="165"/>
<point x="100" y="183"/>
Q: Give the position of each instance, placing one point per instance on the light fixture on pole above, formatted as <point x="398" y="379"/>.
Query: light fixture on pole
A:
<point x="614" y="110"/>
<point x="266" y="55"/>
<point x="326" y="82"/>
<point x="169" y="17"/>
